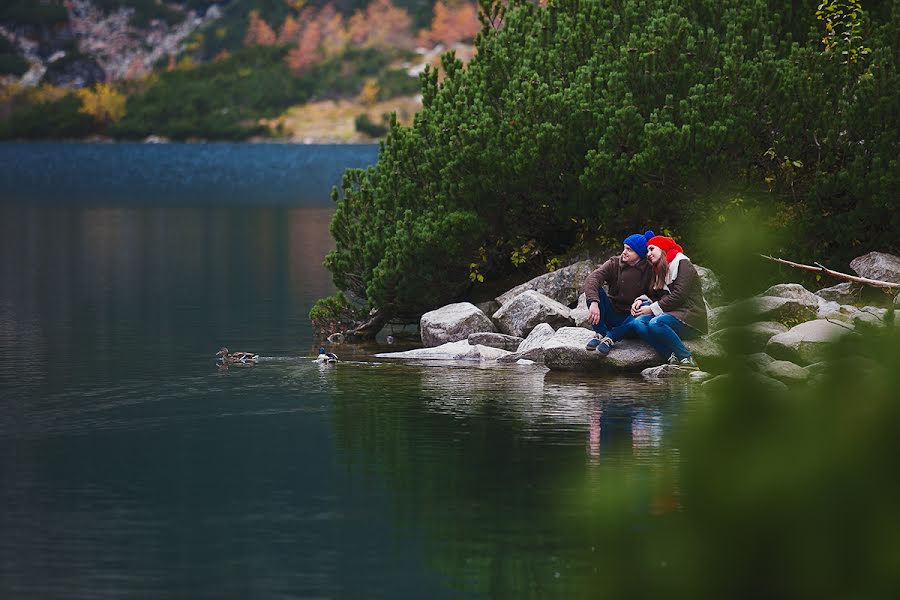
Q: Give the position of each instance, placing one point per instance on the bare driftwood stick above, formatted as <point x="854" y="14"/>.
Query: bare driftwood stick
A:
<point x="821" y="269"/>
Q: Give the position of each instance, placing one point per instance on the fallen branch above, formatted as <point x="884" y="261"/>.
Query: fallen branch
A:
<point x="818" y="268"/>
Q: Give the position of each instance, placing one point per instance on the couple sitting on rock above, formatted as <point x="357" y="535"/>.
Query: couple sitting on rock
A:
<point x="654" y="294"/>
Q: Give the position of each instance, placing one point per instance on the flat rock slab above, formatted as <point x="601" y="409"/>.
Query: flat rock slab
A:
<point x="496" y="340"/>
<point x="565" y="351"/>
<point x="452" y="323"/>
<point x="460" y="350"/>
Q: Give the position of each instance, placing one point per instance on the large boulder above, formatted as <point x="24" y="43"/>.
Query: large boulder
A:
<point x="524" y="312"/>
<point x="752" y="338"/>
<point x="807" y="342"/>
<point x="452" y="323"/>
<point x="495" y="340"/>
<point x="759" y="361"/>
<point x="565" y="351"/>
<point x="712" y="289"/>
<point x="788" y="311"/>
<point x="842" y="293"/>
<point x="460" y="350"/>
<point x="563" y="285"/>
<point x="877" y="265"/>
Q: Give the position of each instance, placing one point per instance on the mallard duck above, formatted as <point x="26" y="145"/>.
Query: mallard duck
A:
<point x="326" y="356"/>
<point x="237" y="358"/>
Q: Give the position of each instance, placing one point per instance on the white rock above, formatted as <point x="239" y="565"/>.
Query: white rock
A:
<point x="452" y="323"/>
<point x="459" y="350"/>
<point x="666" y="372"/>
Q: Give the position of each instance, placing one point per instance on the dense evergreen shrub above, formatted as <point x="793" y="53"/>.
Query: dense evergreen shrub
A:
<point x="591" y="117"/>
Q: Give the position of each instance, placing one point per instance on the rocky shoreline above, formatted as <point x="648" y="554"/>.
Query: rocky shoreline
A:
<point x="781" y="334"/>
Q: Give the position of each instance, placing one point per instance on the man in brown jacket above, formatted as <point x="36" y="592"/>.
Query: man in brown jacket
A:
<point x="627" y="276"/>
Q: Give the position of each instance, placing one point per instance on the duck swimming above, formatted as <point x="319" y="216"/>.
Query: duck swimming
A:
<point x="326" y="356"/>
<point x="237" y="358"/>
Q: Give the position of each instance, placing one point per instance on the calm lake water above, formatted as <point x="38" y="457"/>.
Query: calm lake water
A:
<point x="130" y="466"/>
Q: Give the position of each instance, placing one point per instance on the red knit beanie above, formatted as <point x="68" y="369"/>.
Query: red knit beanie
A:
<point x="666" y="244"/>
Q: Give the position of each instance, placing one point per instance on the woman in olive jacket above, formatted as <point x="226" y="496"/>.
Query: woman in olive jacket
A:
<point x="679" y="311"/>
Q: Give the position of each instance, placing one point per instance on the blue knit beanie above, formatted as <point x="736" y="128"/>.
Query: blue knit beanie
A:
<point x="638" y="243"/>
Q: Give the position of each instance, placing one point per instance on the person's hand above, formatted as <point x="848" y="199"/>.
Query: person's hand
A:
<point x="594" y="313"/>
<point x="643" y="310"/>
<point x="635" y="306"/>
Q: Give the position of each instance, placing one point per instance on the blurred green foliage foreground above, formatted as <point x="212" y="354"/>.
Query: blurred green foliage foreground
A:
<point x="780" y="494"/>
<point x="587" y="120"/>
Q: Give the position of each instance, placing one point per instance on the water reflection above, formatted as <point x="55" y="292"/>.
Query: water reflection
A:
<point x="489" y="463"/>
<point x="127" y="289"/>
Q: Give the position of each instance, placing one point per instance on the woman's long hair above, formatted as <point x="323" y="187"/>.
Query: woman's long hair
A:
<point x="660" y="272"/>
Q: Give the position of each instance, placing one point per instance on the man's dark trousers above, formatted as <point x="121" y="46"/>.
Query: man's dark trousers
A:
<point x="613" y="324"/>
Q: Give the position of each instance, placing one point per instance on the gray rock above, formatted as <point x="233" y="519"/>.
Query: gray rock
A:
<point x="708" y="354"/>
<point x="712" y="289"/>
<point x="565" y="351"/>
<point x="452" y="323"/>
<point x="794" y="291"/>
<point x="721" y="382"/>
<point x="524" y="312"/>
<point x="336" y="338"/>
<point x="580" y="313"/>
<point x="871" y="314"/>
<point x="806" y="343"/>
<point x="751" y="338"/>
<point x="715" y="317"/>
<point x="459" y="350"/>
<point x="667" y="372"/>
<point x="488" y="307"/>
<point x="536" y="339"/>
<point x="842" y="293"/>
<point x="700" y="376"/>
<point x="786" y="372"/>
<point x="759" y="361"/>
<point x="770" y="308"/>
<point x="563" y="285"/>
<point x="496" y="340"/>
<point x="877" y="265"/>
<point x="533" y="354"/>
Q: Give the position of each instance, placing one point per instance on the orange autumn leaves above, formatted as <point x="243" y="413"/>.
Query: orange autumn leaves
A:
<point x="317" y="34"/>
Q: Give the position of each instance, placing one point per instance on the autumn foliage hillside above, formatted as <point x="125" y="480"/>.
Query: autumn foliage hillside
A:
<point x="234" y="76"/>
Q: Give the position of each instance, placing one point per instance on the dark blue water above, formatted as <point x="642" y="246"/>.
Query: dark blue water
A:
<point x="130" y="466"/>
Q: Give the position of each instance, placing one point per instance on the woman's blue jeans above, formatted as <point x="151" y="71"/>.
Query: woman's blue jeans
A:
<point x="664" y="333"/>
